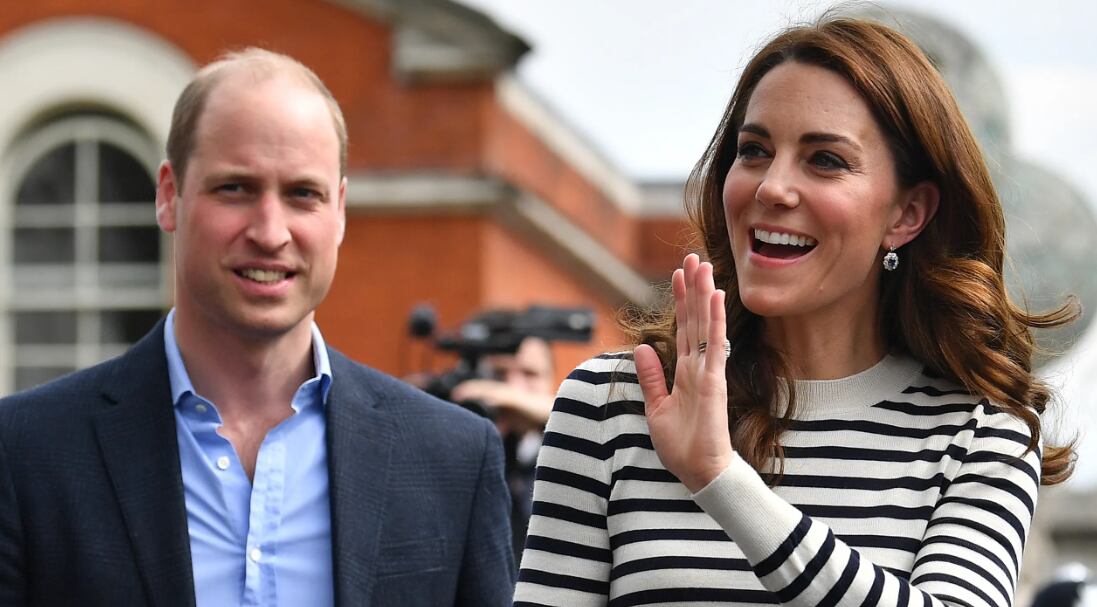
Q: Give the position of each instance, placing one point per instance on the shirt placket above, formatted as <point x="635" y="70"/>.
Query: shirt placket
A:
<point x="266" y="512"/>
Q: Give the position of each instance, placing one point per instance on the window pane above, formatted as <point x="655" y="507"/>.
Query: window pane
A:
<point x="122" y="178"/>
<point x="32" y="277"/>
<point x="146" y="275"/>
<point x="125" y="326"/>
<point x="50" y="180"/>
<point x="118" y="214"/>
<point x="29" y="377"/>
<point x="45" y="327"/>
<point x="117" y="245"/>
<point x="44" y="245"/>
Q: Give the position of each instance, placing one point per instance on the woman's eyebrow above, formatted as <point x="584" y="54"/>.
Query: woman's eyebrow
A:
<point x="829" y="138"/>
<point x="755" y="129"/>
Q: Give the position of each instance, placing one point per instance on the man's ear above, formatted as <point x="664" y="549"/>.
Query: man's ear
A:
<point x="167" y="191"/>
<point x="342" y="209"/>
<point x="916" y="208"/>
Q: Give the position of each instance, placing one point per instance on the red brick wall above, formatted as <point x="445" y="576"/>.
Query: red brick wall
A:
<point x="517" y="275"/>
<point x="460" y="265"/>
<point x="389" y="263"/>
<point x="517" y="155"/>
<point x="663" y="243"/>
<point x="391" y="126"/>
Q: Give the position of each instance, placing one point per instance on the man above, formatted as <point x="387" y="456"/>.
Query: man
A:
<point x="521" y="387"/>
<point x="520" y="396"/>
<point x="230" y="457"/>
<point x="1072" y="585"/>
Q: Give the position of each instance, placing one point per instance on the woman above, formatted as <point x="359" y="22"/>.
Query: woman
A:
<point x="847" y="212"/>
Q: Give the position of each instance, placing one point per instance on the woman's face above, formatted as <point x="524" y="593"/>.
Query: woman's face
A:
<point x="810" y="197"/>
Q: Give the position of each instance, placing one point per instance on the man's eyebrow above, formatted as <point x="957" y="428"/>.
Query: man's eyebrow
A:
<point x="229" y="175"/>
<point x="305" y="178"/>
<point x="307" y="181"/>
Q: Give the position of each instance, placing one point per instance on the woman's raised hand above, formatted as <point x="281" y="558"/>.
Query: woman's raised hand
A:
<point x="689" y="424"/>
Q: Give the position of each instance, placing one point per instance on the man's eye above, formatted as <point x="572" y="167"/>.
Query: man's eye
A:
<point x="230" y="188"/>
<point x="307" y="193"/>
<point x="828" y="161"/>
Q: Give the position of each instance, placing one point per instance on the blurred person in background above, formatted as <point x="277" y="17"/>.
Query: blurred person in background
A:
<point x="519" y="395"/>
<point x="838" y="408"/>
<point x="1072" y="586"/>
<point x="230" y="457"/>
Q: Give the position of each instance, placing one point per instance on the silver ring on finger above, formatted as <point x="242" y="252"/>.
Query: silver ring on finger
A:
<point x="702" y="346"/>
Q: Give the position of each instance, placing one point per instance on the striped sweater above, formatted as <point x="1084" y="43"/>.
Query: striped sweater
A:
<point x="899" y="488"/>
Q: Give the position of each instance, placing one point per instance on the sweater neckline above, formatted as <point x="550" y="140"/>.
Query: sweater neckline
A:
<point x="884" y="380"/>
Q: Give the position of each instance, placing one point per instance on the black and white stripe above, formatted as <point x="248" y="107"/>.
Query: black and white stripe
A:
<point x="899" y="488"/>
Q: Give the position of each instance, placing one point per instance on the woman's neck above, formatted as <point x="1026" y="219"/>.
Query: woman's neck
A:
<point x="826" y="348"/>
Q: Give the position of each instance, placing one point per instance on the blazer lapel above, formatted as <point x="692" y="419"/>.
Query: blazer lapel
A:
<point x="137" y="439"/>
<point x="360" y="442"/>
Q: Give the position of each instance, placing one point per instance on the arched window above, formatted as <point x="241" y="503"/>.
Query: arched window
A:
<point x="85" y="265"/>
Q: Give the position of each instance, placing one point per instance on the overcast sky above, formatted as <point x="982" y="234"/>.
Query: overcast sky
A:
<point x="645" y="81"/>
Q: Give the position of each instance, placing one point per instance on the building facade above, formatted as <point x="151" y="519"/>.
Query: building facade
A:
<point x="465" y="191"/>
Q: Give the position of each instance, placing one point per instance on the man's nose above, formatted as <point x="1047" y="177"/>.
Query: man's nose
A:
<point x="269" y="225"/>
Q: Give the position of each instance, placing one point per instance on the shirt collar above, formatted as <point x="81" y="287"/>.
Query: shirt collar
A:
<point x="180" y="380"/>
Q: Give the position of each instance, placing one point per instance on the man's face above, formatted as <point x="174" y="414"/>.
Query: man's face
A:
<point x="529" y="369"/>
<point x="260" y="216"/>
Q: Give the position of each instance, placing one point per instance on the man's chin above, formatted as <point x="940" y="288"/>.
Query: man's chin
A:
<point x="271" y="325"/>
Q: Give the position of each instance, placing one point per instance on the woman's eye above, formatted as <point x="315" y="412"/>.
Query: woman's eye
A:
<point x="751" y="150"/>
<point x="828" y="161"/>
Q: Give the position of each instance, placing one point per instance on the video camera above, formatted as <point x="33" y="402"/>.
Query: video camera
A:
<point x="495" y="332"/>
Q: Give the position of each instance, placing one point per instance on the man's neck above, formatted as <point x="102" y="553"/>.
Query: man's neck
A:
<point x="245" y="375"/>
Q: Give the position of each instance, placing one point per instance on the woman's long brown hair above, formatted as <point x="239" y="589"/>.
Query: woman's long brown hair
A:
<point x="946" y="305"/>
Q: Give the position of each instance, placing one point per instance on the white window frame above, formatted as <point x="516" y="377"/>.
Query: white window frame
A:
<point x="83" y="293"/>
<point x="78" y="62"/>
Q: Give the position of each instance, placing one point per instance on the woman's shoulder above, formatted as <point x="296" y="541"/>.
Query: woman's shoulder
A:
<point x="602" y="377"/>
<point x="601" y="388"/>
<point x="933" y="390"/>
<point x="607" y="367"/>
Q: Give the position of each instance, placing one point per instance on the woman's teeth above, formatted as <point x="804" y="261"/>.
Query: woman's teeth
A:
<point x="782" y="238"/>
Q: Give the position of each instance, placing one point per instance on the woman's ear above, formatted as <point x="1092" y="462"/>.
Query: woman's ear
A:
<point x="916" y="208"/>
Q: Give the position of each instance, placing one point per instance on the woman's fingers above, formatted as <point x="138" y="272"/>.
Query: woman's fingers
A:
<point x="681" y="316"/>
<point x="702" y="289"/>
<point x="716" y="361"/>
<point x="649" y="373"/>
<point x="689" y="270"/>
<point x="693" y="289"/>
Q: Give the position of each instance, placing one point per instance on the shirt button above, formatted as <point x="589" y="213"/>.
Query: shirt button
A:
<point x="200" y="408"/>
<point x="223" y="462"/>
<point x="255" y="555"/>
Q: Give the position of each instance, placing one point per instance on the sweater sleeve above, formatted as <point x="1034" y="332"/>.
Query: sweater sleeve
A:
<point x="970" y="554"/>
<point x="567" y="555"/>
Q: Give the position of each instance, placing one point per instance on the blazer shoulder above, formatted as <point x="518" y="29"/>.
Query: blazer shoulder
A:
<point x="405" y="402"/>
<point x="142" y="368"/>
<point x="63" y="394"/>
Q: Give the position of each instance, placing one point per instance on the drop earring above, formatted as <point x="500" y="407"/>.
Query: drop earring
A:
<point x="891" y="260"/>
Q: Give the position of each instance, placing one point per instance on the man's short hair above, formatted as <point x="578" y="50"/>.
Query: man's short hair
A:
<point x="260" y="65"/>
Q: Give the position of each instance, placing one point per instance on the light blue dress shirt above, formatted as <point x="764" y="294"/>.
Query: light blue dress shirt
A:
<point x="267" y="544"/>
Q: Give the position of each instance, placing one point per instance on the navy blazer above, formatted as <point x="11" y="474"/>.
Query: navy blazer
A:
<point x="92" y="509"/>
